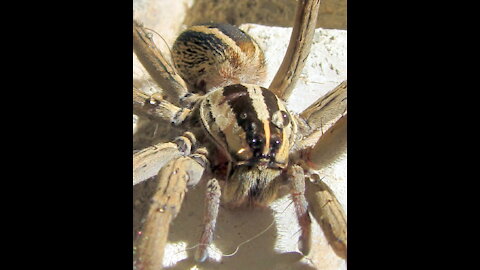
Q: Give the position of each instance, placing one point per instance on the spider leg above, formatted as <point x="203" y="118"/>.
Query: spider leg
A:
<point x="165" y="204"/>
<point x="155" y="107"/>
<point x="212" y="202"/>
<point x="147" y="162"/>
<point x="323" y="204"/>
<point x="331" y="145"/>
<point x="322" y="114"/>
<point x="298" y="48"/>
<point x="327" y="108"/>
<point x="327" y="210"/>
<point x="296" y="178"/>
<point x="156" y="64"/>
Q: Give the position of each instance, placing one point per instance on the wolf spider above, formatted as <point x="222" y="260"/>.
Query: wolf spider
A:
<point x="283" y="154"/>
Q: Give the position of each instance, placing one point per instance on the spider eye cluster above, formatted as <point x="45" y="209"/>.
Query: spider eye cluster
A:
<point x="250" y="123"/>
<point x="253" y="135"/>
<point x="256" y="143"/>
<point x="280" y="119"/>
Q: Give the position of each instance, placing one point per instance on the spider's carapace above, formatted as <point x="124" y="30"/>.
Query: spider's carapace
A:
<point x="256" y="132"/>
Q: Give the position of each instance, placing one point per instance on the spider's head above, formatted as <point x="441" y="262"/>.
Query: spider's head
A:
<point x="250" y="124"/>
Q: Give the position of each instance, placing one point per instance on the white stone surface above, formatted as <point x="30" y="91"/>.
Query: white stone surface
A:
<point x="325" y="68"/>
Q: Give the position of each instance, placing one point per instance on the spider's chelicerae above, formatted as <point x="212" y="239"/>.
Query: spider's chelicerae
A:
<point x="237" y="136"/>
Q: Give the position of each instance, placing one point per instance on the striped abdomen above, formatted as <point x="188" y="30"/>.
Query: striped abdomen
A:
<point x="217" y="55"/>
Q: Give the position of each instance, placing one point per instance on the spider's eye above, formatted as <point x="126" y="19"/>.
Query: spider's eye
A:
<point x="285" y="117"/>
<point x="280" y="119"/>
<point x="251" y="128"/>
<point x="275" y="142"/>
<point x="256" y="142"/>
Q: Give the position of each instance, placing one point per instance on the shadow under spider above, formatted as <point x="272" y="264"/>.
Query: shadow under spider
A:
<point x="234" y="226"/>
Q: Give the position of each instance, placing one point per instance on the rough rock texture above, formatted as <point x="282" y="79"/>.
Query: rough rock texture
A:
<point x="272" y="12"/>
<point x="275" y="248"/>
<point x="169" y="17"/>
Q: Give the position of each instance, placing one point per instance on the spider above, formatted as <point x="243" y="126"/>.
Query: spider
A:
<point x="245" y="150"/>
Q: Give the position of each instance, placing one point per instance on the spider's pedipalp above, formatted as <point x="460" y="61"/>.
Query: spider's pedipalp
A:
<point x="212" y="202"/>
<point x="296" y="179"/>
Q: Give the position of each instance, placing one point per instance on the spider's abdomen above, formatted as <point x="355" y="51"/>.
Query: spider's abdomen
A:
<point x="250" y="124"/>
<point x="217" y="55"/>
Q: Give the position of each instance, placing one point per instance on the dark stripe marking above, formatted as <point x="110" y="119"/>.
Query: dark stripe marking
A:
<point x="276" y="137"/>
<point x="208" y="42"/>
<point x="246" y="117"/>
<point x="241" y="38"/>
